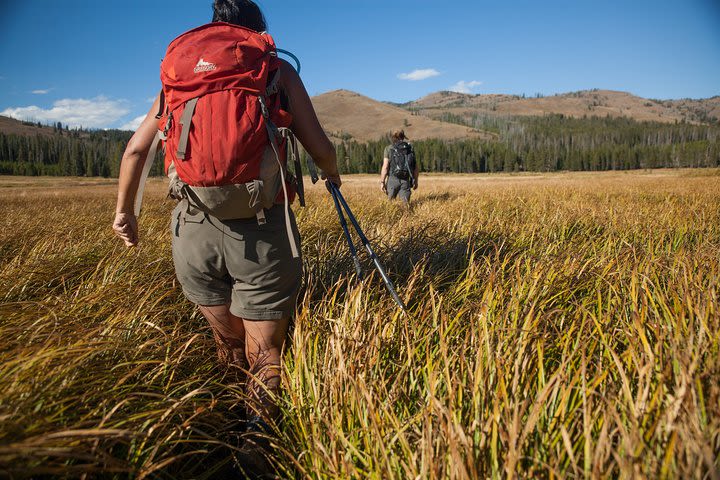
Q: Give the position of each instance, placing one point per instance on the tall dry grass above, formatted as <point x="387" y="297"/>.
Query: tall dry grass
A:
<point x="559" y="325"/>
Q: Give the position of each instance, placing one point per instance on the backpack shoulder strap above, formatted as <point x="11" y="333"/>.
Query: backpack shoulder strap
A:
<point x="393" y="153"/>
<point x="146" y="171"/>
<point x="161" y="107"/>
<point x="274" y="84"/>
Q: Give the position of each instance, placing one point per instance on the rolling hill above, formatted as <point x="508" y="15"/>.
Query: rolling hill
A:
<point x="599" y="103"/>
<point x="346" y="115"/>
<point x="10" y="126"/>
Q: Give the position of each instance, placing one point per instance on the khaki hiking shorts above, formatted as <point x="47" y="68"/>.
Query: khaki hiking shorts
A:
<point x="237" y="262"/>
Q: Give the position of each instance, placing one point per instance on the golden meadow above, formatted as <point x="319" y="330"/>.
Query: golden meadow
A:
<point x="560" y="325"/>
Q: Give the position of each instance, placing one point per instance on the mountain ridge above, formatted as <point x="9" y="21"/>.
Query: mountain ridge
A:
<point x="582" y="103"/>
<point x="349" y="116"/>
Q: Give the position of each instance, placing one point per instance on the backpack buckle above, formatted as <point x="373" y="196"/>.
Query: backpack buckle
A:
<point x="263" y="108"/>
<point x="168" y="124"/>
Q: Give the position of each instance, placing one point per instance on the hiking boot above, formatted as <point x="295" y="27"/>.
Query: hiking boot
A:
<point x="253" y="456"/>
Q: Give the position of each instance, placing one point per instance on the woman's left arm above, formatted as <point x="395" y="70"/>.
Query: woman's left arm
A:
<point x="131" y="167"/>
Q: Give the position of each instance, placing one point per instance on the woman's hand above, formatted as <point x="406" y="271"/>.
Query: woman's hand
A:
<point x="125" y="227"/>
<point x="331" y="178"/>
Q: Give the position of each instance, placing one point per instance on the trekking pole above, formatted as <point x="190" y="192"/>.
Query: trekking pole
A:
<point x="338" y="197"/>
<point x="353" y="252"/>
<point x="343" y="223"/>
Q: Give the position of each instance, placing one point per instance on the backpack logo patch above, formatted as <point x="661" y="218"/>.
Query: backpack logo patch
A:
<point x="203" y="66"/>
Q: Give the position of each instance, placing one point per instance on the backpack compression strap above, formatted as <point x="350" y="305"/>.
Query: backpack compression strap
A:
<point x="292" y="151"/>
<point x="185" y="121"/>
<point x="271" y="129"/>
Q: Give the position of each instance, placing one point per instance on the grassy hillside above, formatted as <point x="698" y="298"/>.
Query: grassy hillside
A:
<point x="347" y="115"/>
<point x="11" y="126"/>
<point x="588" y="103"/>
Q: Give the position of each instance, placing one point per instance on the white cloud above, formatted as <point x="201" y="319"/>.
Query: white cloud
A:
<point x="133" y="124"/>
<point x="416" y="75"/>
<point x="465" y="87"/>
<point x="41" y="91"/>
<point x="98" y="112"/>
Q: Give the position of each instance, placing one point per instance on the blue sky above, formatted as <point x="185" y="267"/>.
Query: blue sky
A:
<point x="95" y="63"/>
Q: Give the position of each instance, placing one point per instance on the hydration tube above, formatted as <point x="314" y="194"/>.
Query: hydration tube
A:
<point x="289" y="54"/>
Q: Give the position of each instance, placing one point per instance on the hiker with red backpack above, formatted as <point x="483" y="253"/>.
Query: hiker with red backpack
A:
<point x="399" y="174"/>
<point x="227" y="118"/>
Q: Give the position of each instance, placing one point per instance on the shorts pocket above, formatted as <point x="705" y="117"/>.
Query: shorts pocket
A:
<point x="193" y="215"/>
<point x="182" y="215"/>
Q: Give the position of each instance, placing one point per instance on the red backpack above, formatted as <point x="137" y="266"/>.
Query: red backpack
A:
<point x="226" y="136"/>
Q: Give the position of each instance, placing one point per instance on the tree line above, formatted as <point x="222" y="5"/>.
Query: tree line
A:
<point x="548" y="143"/>
<point x="66" y="152"/>
<point x="553" y="143"/>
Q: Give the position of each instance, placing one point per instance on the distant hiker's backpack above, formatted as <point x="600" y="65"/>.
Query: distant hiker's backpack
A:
<point x="402" y="160"/>
<point x="225" y="133"/>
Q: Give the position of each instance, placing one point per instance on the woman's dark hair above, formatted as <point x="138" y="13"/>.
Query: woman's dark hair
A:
<point x="239" y="12"/>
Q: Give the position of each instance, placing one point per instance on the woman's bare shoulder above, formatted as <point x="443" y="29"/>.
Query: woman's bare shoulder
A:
<point x="294" y="89"/>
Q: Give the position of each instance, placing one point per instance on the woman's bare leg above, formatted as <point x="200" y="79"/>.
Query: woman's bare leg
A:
<point x="264" y="342"/>
<point x="229" y="333"/>
<point x="254" y="345"/>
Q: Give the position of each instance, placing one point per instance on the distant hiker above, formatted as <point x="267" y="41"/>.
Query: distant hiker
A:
<point x="227" y="114"/>
<point x="400" y="171"/>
